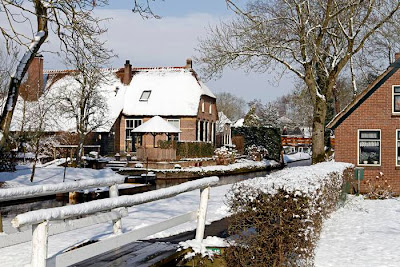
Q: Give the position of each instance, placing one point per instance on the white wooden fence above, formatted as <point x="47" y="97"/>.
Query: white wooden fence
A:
<point x="24" y="192"/>
<point x="57" y="220"/>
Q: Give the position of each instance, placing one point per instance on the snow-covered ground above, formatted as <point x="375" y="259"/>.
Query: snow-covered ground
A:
<point x="362" y="233"/>
<point x="239" y="164"/>
<point x="51" y="175"/>
<point x="287" y="158"/>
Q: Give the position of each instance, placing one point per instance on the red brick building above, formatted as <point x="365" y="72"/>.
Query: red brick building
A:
<point x="367" y="131"/>
<point x="134" y="95"/>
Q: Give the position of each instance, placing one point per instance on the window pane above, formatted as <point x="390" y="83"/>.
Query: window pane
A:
<point x="396" y="104"/>
<point x="145" y="95"/>
<point x="396" y="89"/>
<point x="369" y="152"/>
<point x="369" y="135"/>
<point x="398" y="152"/>
<point x="138" y="123"/>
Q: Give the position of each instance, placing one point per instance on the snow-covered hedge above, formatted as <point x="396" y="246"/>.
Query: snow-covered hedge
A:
<point x="282" y="214"/>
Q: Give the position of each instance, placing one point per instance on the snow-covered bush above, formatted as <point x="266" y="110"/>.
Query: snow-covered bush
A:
<point x="257" y="153"/>
<point x="224" y="156"/>
<point x="378" y="187"/>
<point x="277" y="219"/>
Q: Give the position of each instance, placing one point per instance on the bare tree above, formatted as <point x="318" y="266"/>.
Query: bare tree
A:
<point x="314" y="40"/>
<point x="69" y="20"/>
<point x="83" y="100"/>
<point x="232" y="106"/>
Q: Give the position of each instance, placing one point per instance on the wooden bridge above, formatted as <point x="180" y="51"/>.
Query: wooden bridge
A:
<point x="47" y="222"/>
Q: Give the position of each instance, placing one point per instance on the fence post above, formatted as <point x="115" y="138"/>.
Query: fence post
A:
<point x="39" y="244"/>
<point x="201" y="217"/>
<point x="1" y="223"/>
<point x="117" y="224"/>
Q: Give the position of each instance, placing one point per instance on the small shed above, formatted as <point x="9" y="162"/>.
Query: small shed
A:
<point x="156" y="126"/>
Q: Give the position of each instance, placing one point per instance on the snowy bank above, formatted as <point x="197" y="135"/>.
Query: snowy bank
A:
<point x="362" y="233"/>
<point x="53" y="175"/>
<point x="287" y="158"/>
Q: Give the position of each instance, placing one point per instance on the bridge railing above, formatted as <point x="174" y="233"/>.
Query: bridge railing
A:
<point x="47" y="221"/>
<point x="19" y="193"/>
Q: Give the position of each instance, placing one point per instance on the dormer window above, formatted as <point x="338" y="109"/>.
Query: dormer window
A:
<point x="145" y="95"/>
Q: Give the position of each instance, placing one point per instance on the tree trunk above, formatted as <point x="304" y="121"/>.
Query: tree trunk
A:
<point x="22" y="68"/>
<point x="80" y="150"/>
<point x="318" y="131"/>
<point x="36" y="158"/>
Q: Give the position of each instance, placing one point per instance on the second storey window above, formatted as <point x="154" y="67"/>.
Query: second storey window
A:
<point x="210" y="108"/>
<point x="396" y="99"/>
<point x="369" y="147"/>
<point x="202" y="106"/>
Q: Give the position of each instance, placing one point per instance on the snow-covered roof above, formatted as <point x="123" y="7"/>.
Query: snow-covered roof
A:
<point x="174" y="92"/>
<point x="238" y="123"/>
<point x="223" y="119"/>
<point x="156" y="125"/>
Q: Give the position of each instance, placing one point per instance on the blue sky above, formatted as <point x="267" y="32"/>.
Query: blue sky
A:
<point x="178" y="7"/>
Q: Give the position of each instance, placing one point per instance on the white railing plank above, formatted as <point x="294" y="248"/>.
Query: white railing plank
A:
<point x="57" y="227"/>
<point x="103" y="246"/>
<point x="24" y="192"/>
<point x="59" y="213"/>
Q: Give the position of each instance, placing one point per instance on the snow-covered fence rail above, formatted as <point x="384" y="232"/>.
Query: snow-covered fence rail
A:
<point x="52" y="189"/>
<point x="42" y="222"/>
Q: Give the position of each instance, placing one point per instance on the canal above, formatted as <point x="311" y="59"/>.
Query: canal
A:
<point x="9" y="211"/>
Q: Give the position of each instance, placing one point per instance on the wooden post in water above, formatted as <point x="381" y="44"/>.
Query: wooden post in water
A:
<point x="117" y="224"/>
<point x="39" y="244"/>
<point x="201" y="217"/>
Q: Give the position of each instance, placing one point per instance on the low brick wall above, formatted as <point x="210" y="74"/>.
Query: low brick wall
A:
<point x="156" y="154"/>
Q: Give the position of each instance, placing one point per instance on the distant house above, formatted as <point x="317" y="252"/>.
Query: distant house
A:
<point x="224" y="133"/>
<point x="134" y="95"/>
<point x="367" y="131"/>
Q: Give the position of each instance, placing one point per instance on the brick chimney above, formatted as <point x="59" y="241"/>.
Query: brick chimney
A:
<point x="32" y="84"/>
<point x="189" y="64"/>
<point x="397" y="56"/>
<point x="127" y="73"/>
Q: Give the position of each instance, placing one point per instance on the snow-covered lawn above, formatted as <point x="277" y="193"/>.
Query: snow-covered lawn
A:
<point x="362" y="233"/>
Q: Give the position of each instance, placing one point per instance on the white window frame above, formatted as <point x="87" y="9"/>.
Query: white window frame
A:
<point x="126" y="128"/>
<point x="397" y="141"/>
<point x="202" y="105"/>
<point x="393" y="95"/>
<point x="179" y="135"/>
<point x="210" y="108"/>
<point x="380" y="147"/>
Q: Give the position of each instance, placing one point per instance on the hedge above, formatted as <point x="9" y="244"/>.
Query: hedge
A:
<point x="189" y="149"/>
<point x="277" y="219"/>
<point x="270" y="138"/>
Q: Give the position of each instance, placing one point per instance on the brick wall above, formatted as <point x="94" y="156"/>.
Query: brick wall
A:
<point x="374" y="113"/>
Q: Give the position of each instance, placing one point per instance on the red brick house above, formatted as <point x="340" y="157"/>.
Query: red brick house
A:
<point x="134" y="95"/>
<point x="367" y="131"/>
